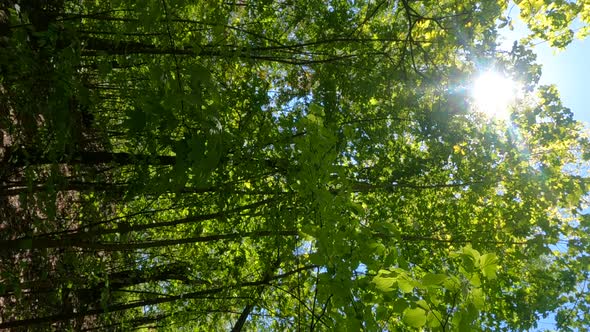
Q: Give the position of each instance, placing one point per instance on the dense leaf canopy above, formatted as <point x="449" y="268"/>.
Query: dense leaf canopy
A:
<point x="285" y="165"/>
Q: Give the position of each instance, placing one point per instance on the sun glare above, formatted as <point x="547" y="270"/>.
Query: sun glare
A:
<point x="493" y="94"/>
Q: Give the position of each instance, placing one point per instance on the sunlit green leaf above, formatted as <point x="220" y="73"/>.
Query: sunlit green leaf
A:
<point x="489" y="265"/>
<point x="384" y="284"/>
<point x="433" y="279"/>
<point x="415" y="317"/>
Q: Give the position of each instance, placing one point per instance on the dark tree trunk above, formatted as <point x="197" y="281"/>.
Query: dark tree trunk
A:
<point x="76" y="242"/>
<point x="126" y="306"/>
<point x="24" y="157"/>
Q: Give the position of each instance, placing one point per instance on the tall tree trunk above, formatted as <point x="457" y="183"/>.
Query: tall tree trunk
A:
<point x="24" y="157"/>
<point x="126" y="306"/>
<point x="40" y="243"/>
<point x="116" y="280"/>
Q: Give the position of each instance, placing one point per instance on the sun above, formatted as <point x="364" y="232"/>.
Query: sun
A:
<point x="493" y="93"/>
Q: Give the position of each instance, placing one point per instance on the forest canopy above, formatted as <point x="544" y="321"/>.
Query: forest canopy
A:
<point x="287" y="165"/>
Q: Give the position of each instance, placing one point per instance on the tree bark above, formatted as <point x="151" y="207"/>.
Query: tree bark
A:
<point x="139" y="304"/>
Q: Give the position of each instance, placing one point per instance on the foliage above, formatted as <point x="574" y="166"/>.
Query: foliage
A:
<point x="284" y="166"/>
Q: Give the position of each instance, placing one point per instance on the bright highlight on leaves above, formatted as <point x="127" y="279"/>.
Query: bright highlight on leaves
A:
<point x="385" y="284"/>
<point x="489" y="265"/>
<point x="415" y="317"/>
<point x="493" y="93"/>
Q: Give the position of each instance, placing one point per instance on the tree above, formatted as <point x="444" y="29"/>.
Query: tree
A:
<point x="255" y="165"/>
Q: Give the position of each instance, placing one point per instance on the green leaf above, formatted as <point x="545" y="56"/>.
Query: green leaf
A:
<point x="399" y="305"/>
<point x="489" y="265"/>
<point x="477" y="297"/>
<point x="381" y="313"/>
<point x="384" y="284"/>
<point x="434" y="318"/>
<point x="470" y="258"/>
<point x="433" y="279"/>
<point x="467" y="250"/>
<point x="422" y="304"/>
<point x="474" y="280"/>
<point x="452" y="283"/>
<point x="315" y="109"/>
<point x="199" y="75"/>
<point x="415" y="317"/>
<point x="405" y="284"/>
<point x="353" y="324"/>
<point x="317" y="259"/>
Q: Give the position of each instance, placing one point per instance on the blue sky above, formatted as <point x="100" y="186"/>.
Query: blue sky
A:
<point x="569" y="69"/>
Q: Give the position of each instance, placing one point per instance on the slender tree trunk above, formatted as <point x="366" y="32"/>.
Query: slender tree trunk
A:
<point x="83" y="186"/>
<point x="243" y="316"/>
<point x="95" y="45"/>
<point x="139" y="304"/>
<point x="40" y="243"/>
<point x="24" y="157"/>
<point x="136" y="228"/>
<point x="116" y="280"/>
<point x="250" y="306"/>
